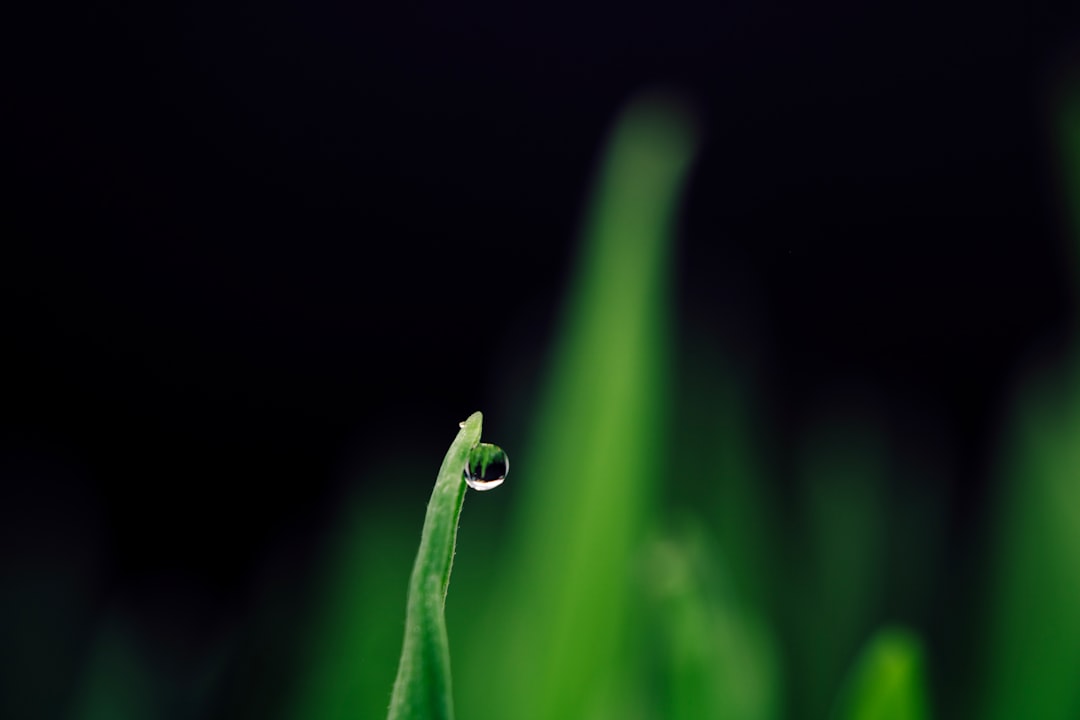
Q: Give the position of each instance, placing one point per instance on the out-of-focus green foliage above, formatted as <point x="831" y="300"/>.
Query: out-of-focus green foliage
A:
<point x="346" y="662"/>
<point x="838" y="551"/>
<point x="559" y="632"/>
<point x="1034" y="628"/>
<point x="722" y="453"/>
<point x="1033" y="648"/>
<point x="888" y="681"/>
<point x="714" y="656"/>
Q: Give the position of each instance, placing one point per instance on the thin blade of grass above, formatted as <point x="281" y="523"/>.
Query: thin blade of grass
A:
<point x="422" y="689"/>
<point x="888" y="680"/>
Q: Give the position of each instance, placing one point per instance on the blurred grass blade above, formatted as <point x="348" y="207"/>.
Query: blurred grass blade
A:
<point x="720" y="427"/>
<point x="1034" y="635"/>
<point x="422" y="689"/>
<point x="587" y="478"/>
<point x="352" y="638"/>
<point x="117" y="683"/>
<point x="888" y="681"/>
<point x="1034" y="600"/>
<point x="840" y="565"/>
<point x="714" y="656"/>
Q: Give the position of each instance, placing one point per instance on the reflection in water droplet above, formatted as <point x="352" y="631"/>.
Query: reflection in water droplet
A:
<point x="487" y="467"/>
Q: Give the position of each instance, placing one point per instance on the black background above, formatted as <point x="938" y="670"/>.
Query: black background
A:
<point x="238" y="237"/>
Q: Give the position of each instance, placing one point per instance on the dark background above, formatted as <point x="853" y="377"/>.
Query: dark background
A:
<point x="243" y="240"/>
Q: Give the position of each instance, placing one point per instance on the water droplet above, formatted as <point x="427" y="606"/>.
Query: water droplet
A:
<point x="461" y="424"/>
<point x="487" y="468"/>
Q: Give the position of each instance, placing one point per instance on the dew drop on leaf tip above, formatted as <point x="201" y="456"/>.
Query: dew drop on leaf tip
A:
<point x="487" y="467"/>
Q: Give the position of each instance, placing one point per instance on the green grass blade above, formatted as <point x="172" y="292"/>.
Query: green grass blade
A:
<point x="1033" y="647"/>
<point x="352" y="638"/>
<point x="587" y="479"/>
<point x="714" y="655"/>
<point x="1034" y="634"/>
<point x="1035" y="602"/>
<point x="888" y="680"/>
<point x="839" y="542"/>
<point x="422" y="689"/>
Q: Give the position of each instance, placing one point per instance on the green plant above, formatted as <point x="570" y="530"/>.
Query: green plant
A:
<point x="887" y="681"/>
<point x="422" y="689"/>
<point x="594" y="604"/>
